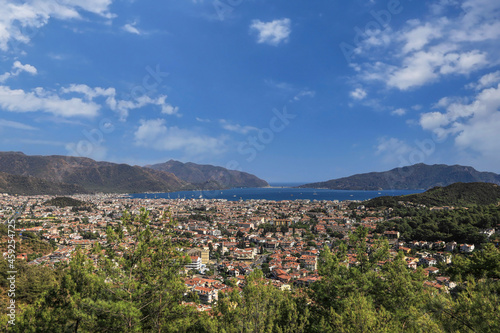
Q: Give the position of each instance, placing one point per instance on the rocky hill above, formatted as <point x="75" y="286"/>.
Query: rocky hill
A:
<point x="209" y="176"/>
<point x="26" y="185"/>
<point x="90" y="175"/>
<point x="418" y="176"/>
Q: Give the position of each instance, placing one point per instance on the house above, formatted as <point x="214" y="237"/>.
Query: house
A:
<point x="431" y="270"/>
<point x="195" y="263"/>
<point x="391" y="234"/>
<point x="466" y="248"/>
<point x="207" y="295"/>
<point x="451" y="246"/>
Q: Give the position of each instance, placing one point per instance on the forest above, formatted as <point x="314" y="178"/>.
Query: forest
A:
<point x="138" y="288"/>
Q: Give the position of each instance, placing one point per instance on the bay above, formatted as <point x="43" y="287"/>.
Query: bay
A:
<point x="277" y="192"/>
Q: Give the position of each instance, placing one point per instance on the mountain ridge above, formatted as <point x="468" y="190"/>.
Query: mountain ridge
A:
<point x="417" y="176"/>
<point x="27" y="185"/>
<point x="68" y="174"/>
<point x="207" y="176"/>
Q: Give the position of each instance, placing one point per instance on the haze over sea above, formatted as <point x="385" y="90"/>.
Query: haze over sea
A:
<point x="277" y="192"/>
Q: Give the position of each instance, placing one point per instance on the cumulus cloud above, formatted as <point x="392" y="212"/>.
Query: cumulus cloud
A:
<point x="423" y="52"/>
<point x="420" y="35"/>
<point x="122" y="107"/>
<point x="18" y="100"/>
<point x="20" y="20"/>
<point x="473" y="125"/>
<point x="399" y="112"/>
<point x="155" y="134"/>
<point x="358" y="93"/>
<point x="18" y="68"/>
<point x="486" y="81"/>
<point x="272" y="33"/>
<point x="131" y="29"/>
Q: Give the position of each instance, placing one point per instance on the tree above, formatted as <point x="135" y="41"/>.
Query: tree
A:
<point x="260" y="307"/>
<point x="139" y="291"/>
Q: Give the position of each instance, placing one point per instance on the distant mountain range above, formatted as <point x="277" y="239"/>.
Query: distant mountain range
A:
<point x="209" y="176"/>
<point x="26" y="185"/>
<point x="68" y="175"/>
<point x="418" y="176"/>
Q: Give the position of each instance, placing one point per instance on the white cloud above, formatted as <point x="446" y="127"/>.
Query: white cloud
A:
<point x="358" y="93"/>
<point x="18" y="100"/>
<point x="20" y="20"/>
<point x="272" y="33"/>
<point x="131" y="29"/>
<point x="426" y="66"/>
<point x="447" y="43"/>
<point x="420" y="36"/>
<point x="122" y="107"/>
<point x="18" y="68"/>
<point x="236" y="127"/>
<point x="202" y="120"/>
<point x="157" y="135"/>
<point x="399" y="112"/>
<point x="304" y="93"/>
<point x="486" y="81"/>
<point x="169" y="109"/>
<point x="16" y="125"/>
<point x="392" y="150"/>
<point x="474" y="125"/>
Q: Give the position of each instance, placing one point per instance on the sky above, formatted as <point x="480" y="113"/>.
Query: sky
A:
<point x="289" y="90"/>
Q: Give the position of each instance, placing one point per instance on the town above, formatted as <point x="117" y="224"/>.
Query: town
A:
<point x="225" y="240"/>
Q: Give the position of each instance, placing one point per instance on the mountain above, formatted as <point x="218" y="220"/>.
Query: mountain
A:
<point x="418" y="176"/>
<point x="209" y="176"/>
<point x="87" y="174"/>
<point x="26" y="185"/>
<point x="457" y="194"/>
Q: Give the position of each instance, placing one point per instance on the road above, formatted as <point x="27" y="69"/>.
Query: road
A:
<point x="17" y="214"/>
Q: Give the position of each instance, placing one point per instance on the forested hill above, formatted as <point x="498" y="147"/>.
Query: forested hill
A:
<point x="418" y="176"/>
<point x="57" y="175"/>
<point x="64" y="202"/>
<point x="458" y="194"/>
<point x="209" y="176"/>
<point x="27" y="185"/>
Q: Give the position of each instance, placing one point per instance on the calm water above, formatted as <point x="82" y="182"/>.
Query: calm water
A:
<point x="275" y="193"/>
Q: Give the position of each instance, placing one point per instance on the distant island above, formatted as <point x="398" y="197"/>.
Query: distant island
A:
<point x="55" y="175"/>
<point x="418" y="176"/>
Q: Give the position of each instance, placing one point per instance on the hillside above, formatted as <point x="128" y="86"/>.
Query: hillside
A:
<point x="418" y="176"/>
<point x="26" y="185"/>
<point x="62" y="202"/>
<point x="458" y="194"/>
<point x="209" y="176"/>
<point x="88" y="174"/>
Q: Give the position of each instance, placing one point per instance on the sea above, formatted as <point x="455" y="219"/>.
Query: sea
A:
<point x="276" y="192"/>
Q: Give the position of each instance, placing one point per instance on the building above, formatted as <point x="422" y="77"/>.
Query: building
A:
<point x="195" y="263"/>
<point x="199" y="252"/>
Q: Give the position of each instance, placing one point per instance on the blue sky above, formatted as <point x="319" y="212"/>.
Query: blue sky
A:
<point x="288" y="90"/>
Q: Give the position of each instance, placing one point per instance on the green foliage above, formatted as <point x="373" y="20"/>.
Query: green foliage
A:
<point x="481" y="264"/>
<point x="460" y="225"/>
<point x="260" y="307"/>
<point x="65" y="202"/>
<point x="138" y="288"/>
<point x="457" y="194"/>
